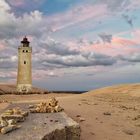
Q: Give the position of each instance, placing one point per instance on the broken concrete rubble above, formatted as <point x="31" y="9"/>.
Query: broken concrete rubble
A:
<point x="49" y="106"/>
<point x="10" y="118"/>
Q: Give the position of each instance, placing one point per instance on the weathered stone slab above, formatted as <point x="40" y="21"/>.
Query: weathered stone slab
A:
<point x="46" y="126"/>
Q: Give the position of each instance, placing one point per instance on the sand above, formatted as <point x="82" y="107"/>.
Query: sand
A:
<point x="111" y="113"/>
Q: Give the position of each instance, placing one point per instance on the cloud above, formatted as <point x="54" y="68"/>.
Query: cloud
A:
<point x="18" y="7"/>
<point x="40" y="74"/>
<point x="2" y="45"/>
<point x="4" y="6"/>
<point x="57" y="55"/>
<point x="128" y="19"/>
<point x="16" y="3"/>
<point x="27" y="24"/>
<point x="125" y="42"/>
<point x="80" y="60"/>
<point x="120" y="5"/>
<point x="106" y="38"/>
<point x="76" y="15"/>
<point x="8" y="62"/>
<point x="62" y="52"/>
<point x="54" y="47"/>
<point x="115" y="4"/>
<point x="118" y="46"/>
<point x="135" y="57"/>
<point x="54" y="54"/>
<point x="24" y="3"/>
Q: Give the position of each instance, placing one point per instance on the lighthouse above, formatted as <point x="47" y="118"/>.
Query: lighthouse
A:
<point x="24" y="74"/>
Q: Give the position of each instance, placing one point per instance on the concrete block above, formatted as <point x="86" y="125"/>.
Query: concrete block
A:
<point x="46" y="126"/>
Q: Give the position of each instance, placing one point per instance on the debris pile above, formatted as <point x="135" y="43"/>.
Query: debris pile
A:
<point x="50" y="106"/>
<point x="10" y="118"/>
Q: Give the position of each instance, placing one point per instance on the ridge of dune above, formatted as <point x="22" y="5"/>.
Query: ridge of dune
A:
<point x="129" y="89"/>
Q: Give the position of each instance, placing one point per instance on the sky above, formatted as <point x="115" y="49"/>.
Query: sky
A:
<point x="77" y="44"/>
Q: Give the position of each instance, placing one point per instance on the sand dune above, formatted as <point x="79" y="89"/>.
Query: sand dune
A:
<point x="111" y="113"/>
<point x="128" y="89"/>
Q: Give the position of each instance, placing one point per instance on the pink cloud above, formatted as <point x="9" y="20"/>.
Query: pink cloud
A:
<point x="118" y="46"/>
<point x="17" y="3"/>
<point x="76" y="15"/>
<point x="25" y="3"/>
<point x="2" y="45"/>
<point x="11" y="75"/>
<point x="124" y="42"/>
<point x="136" y="35"/>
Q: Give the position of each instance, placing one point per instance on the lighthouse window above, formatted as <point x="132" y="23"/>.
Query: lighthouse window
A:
<point x="26" y="50"/>
<point x="23" y="50"/>
<point x="24" y="62"/>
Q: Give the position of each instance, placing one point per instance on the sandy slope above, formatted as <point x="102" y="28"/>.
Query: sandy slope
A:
<point x="111" y="113"/>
